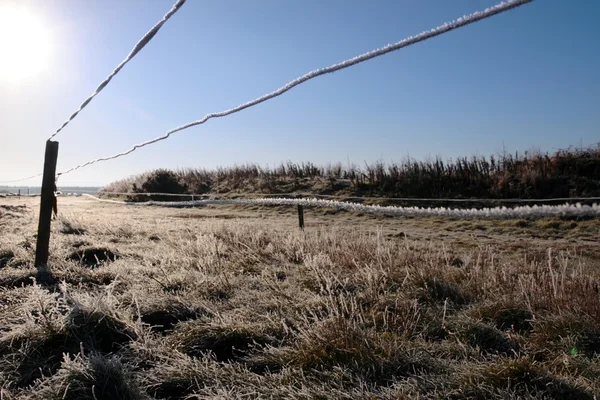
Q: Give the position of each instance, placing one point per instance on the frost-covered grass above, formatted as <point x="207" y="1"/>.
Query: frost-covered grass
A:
<point x="234" y="301"/>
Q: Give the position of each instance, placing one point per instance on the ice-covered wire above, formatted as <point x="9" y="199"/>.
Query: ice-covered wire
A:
<point x="22" y="179"/>
<point x="362" y="198"/>
<point x="534" y="211"/>
<point x="449" y="26"/>
<point x="136" y="49"/>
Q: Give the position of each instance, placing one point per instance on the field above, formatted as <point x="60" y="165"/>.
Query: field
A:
<point x="227" y="302"/>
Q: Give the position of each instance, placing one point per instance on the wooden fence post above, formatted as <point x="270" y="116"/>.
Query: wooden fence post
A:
<point x="301" y="216"/>
<point x="46" y="206"/>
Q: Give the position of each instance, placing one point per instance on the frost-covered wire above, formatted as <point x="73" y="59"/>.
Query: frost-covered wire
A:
<point x="136" y="49"/>
<point x="147" y="194"/>
<point x="534" y="211"/>
<point x="362" y="198"/>
<point x="22" y="179"/>
<point x="447" y="27"/>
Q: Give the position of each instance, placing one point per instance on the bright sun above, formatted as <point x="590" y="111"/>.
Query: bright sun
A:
<point x="24" y="44"/>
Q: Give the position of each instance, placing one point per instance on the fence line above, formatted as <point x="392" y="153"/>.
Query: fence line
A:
<point x="23" y="179"/>
<point x="446" y="27"/>
<point x="136" y="49"/>
<point x="526" y="211"/>
<point x="326" y="196"/>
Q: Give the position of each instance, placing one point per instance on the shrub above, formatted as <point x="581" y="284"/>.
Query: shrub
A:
<point x="160" y="181"/>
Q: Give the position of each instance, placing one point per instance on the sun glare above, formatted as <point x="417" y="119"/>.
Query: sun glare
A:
<point x="24" y="44"/>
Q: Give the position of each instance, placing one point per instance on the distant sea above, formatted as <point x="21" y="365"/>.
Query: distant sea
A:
<point x="36" y="189"/>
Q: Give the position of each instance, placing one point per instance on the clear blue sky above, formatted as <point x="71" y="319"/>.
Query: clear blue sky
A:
<point x="525" y="79"/>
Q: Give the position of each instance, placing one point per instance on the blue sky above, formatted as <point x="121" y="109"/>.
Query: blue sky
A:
<point x="525" y="79"/>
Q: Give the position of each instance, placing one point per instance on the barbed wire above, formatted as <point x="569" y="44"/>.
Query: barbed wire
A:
<point x="535" y="211"/>
<point x="136" y="49"/>
<point x="446" y="27"/>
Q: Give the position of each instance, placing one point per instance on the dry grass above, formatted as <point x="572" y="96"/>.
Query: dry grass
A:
<point x="566" y="173"/>
<point x="177" y="304"/>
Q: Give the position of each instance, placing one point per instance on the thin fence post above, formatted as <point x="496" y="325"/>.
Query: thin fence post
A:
<point x="19" y="192"/>
<point x="46" y="206"/>
<point x="300" y="215"/>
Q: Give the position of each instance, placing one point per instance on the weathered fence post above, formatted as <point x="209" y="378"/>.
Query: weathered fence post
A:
<point x="301" y="215"/>
<point x="46" y="205"/>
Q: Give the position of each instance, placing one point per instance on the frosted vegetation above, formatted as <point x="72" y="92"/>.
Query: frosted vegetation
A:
<point x="535" y="211"/>
<point x="476" y="183"/>
<point x="229" y="302"/>
<point x="566" y="173"/>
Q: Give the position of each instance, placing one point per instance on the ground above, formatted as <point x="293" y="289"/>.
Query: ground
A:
<point x="237" y="302"/>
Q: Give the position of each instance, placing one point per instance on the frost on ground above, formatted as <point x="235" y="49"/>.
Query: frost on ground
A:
<point x="232" y="301"/>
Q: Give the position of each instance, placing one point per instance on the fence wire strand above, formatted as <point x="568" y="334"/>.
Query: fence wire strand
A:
<point x="23" y="179"/>
<point x="136" y="49"/>
<point x="447" y="27"/>
<point x="526" y="211"/>
<point x="328" y="196"/>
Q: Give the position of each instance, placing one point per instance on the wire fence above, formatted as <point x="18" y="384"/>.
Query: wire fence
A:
<point x="136" y="49"/>
<point x="535" y="211"/>
<point x="446" y="27"/>
<point x="362" y="198"/>
<point x="22" y="179"/>
<point x="329" y="200"/>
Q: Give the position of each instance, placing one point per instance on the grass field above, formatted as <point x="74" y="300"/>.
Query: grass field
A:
<point x="227" y="302"/>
